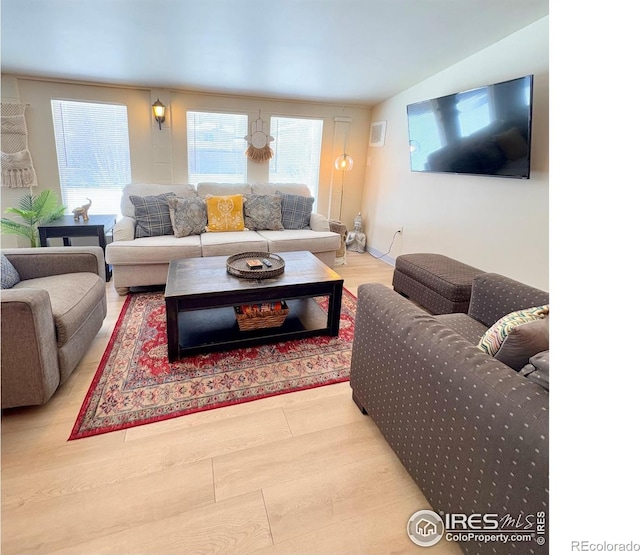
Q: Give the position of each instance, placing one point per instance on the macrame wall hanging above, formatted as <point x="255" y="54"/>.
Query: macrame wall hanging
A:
<point x="259" y="149"/>
<point x="17" y="166"/>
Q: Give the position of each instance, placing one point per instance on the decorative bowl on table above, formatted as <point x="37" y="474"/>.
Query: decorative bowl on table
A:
<point x="255" y="265"/>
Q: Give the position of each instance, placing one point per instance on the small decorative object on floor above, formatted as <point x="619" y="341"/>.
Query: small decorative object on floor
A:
<point x="82" y="211"/>
<point x="251" y="265"/>
<point x="258" y="316"/>
<point x="356" y="239"/>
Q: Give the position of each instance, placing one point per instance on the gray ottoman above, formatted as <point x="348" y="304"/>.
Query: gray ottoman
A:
<point x="436" y="282"/>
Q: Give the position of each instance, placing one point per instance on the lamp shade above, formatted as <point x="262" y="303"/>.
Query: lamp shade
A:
<point x="158" y="110"/>
<point x="344" y="162"/>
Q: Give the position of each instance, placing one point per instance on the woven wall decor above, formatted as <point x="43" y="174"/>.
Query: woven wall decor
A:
<point x="259" y="149"/>
<point x="17" y="166"/>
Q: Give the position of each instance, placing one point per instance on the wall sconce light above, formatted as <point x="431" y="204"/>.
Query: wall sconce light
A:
<point x="158" y="112"/>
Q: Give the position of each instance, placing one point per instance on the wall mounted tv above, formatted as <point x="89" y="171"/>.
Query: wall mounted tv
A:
<point x="484" y="131"/>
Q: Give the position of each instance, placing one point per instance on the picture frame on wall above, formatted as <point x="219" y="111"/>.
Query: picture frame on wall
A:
<point x="377" y="134"/>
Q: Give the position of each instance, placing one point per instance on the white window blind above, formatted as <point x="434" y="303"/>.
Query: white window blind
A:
<point x="297" y="147"/>
<point x="215" y="147"/>
<point x="92" y="144"/>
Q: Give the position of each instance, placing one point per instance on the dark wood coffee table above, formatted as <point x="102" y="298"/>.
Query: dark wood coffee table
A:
<point x="200" y="296"/>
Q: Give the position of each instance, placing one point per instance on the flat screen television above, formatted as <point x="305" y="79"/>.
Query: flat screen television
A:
<point x="483" y="131"/>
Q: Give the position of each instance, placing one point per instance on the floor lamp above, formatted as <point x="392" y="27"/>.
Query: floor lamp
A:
<point x="344" y="163"/>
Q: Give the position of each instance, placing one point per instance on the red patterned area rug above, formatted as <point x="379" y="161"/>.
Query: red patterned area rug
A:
<point x="135" y="384"/>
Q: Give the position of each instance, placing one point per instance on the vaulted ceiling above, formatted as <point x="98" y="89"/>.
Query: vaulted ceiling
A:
<point x="340" y="51"/>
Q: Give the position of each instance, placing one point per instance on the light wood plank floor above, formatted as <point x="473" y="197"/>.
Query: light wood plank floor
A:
<point x="297" y="473"/>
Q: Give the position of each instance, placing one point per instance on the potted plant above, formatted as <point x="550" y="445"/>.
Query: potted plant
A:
<point x="34" y="210"/>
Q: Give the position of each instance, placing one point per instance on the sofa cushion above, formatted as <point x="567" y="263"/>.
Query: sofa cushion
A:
<point x="152" y="215"/>
<point x="494" y="337"/>
<point x="188" y="216"/>
<point x="224" y="213"/>
<point x="150" y="189"/>
<point x="301" y="240"/>
<point x="153" y="250"/>
<point x="73" y="297"/>
<point x="232" y="242"/>
<point x="263" y="212"/>
<point x="537" y="370"/>
<point x="296" y="210"/>
<point x="271" y="188"/>
<point x="8" y="274"/>
<point x="318" y="222"/>
<point x="523" y="342"/>
<point x="221" y="189"/>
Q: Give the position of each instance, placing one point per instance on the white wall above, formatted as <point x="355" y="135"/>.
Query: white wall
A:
<point x="160" y="156"/>
<point x="496" y="224"/>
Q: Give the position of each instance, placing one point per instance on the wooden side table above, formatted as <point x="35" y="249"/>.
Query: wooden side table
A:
<point x="65" y="227"/>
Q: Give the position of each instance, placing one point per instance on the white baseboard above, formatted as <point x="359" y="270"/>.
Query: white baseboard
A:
<point x="381" y="256"/>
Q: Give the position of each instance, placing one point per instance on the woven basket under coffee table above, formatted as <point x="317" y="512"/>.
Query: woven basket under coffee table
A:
<point x="260" y="316"/>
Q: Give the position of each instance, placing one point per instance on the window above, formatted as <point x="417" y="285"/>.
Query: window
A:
<point x="297" y="147"/>
<point x="215" y="147"/>
<point x="92" y="144"/>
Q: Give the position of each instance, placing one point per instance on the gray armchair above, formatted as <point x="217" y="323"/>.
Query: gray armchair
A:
<point x="49" y="319"/>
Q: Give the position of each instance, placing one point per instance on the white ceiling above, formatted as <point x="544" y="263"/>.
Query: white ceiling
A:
<point x="343" y="51"/>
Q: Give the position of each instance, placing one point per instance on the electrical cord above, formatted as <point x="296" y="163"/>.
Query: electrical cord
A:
<point x="390" y="247"/>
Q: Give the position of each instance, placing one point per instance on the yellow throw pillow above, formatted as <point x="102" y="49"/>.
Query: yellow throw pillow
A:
<point x="224" y="213"/>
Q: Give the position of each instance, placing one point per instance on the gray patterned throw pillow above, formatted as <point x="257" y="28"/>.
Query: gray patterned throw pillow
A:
<point x="152" y="215"/>
<point x="263" y="212"/>
<point x="296" y="210"/>
<point x="8" y="274"/>
<point x="188" y="216"/>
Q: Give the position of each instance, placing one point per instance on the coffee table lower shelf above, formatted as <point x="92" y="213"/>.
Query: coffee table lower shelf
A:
<point x="216" y="329"/>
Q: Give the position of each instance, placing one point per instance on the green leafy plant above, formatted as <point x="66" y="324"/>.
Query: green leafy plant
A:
<point x="34" y="210"/>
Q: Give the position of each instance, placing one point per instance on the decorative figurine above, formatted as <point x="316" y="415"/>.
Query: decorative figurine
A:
<point x="82" y="211"/>
<point x="356" y="239"/>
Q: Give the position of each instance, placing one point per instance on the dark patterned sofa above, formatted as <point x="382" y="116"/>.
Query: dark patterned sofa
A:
<point x="471" y="431"/>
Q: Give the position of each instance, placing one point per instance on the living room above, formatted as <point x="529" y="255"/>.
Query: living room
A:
<point x="449" y="214"/>
<point x="170" y="487"/>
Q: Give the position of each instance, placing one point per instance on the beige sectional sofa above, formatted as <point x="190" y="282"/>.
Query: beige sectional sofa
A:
<point x="145" y="261"/>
